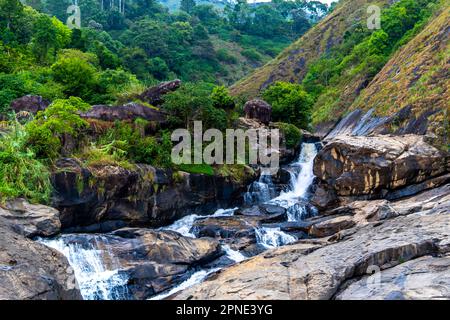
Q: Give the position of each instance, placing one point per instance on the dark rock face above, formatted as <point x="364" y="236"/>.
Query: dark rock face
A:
<point x="29" y="104"/>
<point x="370" y="167"/>
<point x="155" y="261"/>
<point x="31" y="220"/>
<point x="154" y="95"/>
<point x="258" y="109"/>
<point x="129" y="111"/>
<point x="108" y="197"/>
<point x="31" y="271"/>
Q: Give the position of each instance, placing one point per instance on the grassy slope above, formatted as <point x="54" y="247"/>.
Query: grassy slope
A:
<point x="417" y="76"/>
<point x="291" y="64"/>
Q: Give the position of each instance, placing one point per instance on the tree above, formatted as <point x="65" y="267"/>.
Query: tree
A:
<point x="45" y="38"/>
<point x="76" y="71"/>
<point x="221" y="98"/>
<point x="187" y="5"/>
<point x="290" y="103"/>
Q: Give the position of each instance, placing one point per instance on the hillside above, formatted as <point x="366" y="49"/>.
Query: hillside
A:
<point x="417" y="78"/>
<point x="291" y="64"/>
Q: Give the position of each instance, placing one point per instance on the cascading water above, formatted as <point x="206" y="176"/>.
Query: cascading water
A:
<point x="96" y="281"/>
<point x="260" y="191"/>
<point x="273" y="237"/>
<point x="302" y="177"/>
<point x="184" y="225"/>
<point x="88" y="263"/>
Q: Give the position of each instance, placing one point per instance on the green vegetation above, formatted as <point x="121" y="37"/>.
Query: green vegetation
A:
<point x="290" y="103"/>
<point x="21" y="174"/>
<point x="335" y="79"/>
<point x="197" y="168"/>
<point x="291" y="133"/>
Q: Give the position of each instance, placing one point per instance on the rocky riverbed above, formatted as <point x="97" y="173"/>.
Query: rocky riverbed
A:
<point x="365" y="218"/>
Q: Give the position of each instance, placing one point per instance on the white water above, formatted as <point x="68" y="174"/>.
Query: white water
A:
<point x="260" y="191"/>
<point x="195" y="278"/>
<point x="184" y="225"/>
<point x="234" y="255"/>
<point x="302" y="177"/>
<point x="273" y="237"/>
<point x="94" y="280"/>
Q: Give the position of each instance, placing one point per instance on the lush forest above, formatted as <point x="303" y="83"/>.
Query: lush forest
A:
<point x="117" y="53"/>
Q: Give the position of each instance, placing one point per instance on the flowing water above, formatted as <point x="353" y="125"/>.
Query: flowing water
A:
<point x="302" y="177"/>
<point x="96" y="281"/>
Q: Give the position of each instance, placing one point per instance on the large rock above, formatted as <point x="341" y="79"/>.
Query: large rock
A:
<point x="155" y="95"/>
<point x="106" y="198"/>
<point x="424" y="278"/>
<point x="31" y="220"/>
<point x="31" y="271"/>
<point x="130" y="111"/>
<point x="151" y="261"/>
<point x="29" y="104"/>
<point x="258" y="109"/>
<point x="371" y="167"/>
<point x="316" y="271"/>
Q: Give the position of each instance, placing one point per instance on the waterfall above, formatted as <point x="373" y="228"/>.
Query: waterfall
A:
<point x="260" y="191"/>
<point x="302" y="177"/>
<point x="98" y="272"/>
<point x="273" y="237"/>
<point x="96" y="282"/>
<point x="234" y="255"/>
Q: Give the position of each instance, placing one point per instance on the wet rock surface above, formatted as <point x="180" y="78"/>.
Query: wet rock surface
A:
<point x="420" y="226"/>
<point x="102" y="199"/>
<point x="32" y="271"/>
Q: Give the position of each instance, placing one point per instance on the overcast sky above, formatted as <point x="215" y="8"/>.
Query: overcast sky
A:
<point x="324" y="1"/>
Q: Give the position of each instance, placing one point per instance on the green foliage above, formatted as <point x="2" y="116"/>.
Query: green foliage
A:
<point x="21" y="175"/>
<point x="251" y="54"/>
<point x="194" y="102"/>
<point x="129" y="140"/>
<point x="290" y="103"/>
<point x="221" y="98"/>
<point x="76" y="71"/>
<point x="49" y="127"/>
<point x="292" y="134"/>
<point x="361" y="56"/>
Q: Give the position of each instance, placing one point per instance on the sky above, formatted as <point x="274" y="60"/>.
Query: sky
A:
<point x="324" y="1"/>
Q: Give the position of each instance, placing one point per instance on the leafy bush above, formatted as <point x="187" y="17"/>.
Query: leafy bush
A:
<point x="77" y="72"/>
<point x="221" y="98"/>
<point x="291" y="133"/>
<point x="21" y="174"/>
<point x="290" y="103"/>
<point x="252" y="54"/>
<point x="49" y="127"/>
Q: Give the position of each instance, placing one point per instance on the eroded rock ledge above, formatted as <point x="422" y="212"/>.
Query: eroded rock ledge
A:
<point x="101" y="199"/>
<point x="319" y="269"/>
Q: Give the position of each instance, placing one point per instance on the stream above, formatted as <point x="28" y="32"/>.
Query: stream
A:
<point x="98" y="272"/>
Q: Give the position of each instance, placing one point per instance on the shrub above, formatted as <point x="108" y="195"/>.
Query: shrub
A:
<point x="221" y="98"/>
<point x="252" y="54"/>
<point x="290" y="103"/>
<point x="50" y="126"/>
<point x="291" y="133"/>
<point x="21" y="174"/>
